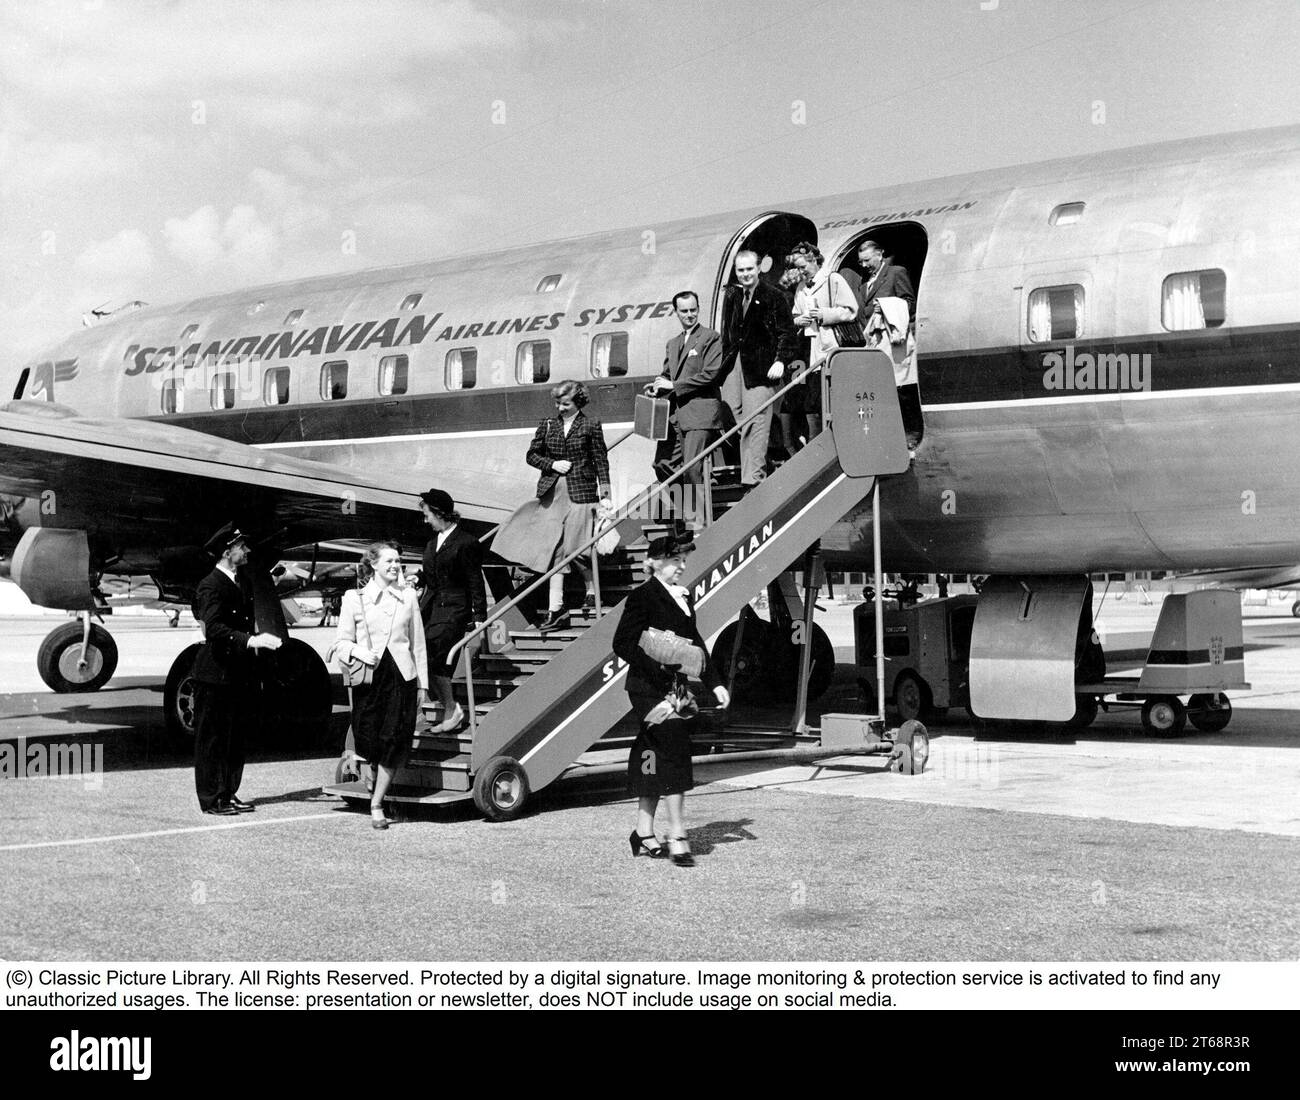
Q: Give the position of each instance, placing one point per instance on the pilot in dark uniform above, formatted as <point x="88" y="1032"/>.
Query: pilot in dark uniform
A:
<point x="224" y="674"/>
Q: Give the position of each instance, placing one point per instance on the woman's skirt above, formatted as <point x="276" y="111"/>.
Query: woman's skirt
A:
<point x="661" y="759"/>
<point x="383" y="714"/>
<point x="544" y="531"/>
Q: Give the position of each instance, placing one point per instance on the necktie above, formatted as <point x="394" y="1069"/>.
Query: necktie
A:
<point x="749" y="297"/>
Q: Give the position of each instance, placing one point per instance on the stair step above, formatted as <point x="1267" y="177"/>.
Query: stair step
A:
<point x="517" y="656"/>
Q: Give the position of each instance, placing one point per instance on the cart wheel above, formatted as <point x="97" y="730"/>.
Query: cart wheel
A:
<point x="1163" y="716"/>
<point x="911" y="696"/>
<point x="1206" y="714"/>
<point x="1085" y="712"/>
<point x="916" y="753"/>
<point x="501" y="789"/>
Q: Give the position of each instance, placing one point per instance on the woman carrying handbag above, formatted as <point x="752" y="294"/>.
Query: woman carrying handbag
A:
<point x="827" y="311"/>
<point x="381" y="649"/>
<point x="658" y="637"/>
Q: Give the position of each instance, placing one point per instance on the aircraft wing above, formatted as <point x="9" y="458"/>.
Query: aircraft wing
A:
<point x="1270" y="576"/>
<point x="138" y="487"/>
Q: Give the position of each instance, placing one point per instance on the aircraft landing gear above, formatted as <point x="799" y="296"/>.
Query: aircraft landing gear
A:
<point x="294" y="703"/>
<point x="63" y="666"/>
<point x="767" y="661"/>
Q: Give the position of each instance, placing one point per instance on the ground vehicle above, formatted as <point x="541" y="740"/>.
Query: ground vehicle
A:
<point x="927" y="654"/>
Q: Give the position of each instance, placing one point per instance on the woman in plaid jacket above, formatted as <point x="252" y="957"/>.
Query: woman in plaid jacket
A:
<point x="569" y="449"/>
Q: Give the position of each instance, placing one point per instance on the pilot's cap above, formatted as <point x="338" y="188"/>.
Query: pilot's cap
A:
<point x="667" y="546"/>
<point x="224" y="539"/>
<point x="439" y="501"/>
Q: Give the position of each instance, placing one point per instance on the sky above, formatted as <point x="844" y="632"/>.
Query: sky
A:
<point x="163" y="150"/>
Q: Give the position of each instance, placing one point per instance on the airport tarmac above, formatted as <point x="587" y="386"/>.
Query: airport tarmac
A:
<point x="1029" y="845"/>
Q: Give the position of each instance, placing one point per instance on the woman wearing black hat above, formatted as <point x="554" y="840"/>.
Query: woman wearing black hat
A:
<point x="454" y="600"/>
<point x="569" y="449"/>
<point x="658" y="637"/>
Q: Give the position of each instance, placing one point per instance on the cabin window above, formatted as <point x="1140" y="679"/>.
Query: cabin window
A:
<point x="275" y="386"/>
<point x="609" y="355"/>
<point x="1066" y="214"/>
<point x="173" y="396"/>
<point x="533" y="362"/>
<point x="462" y="369"/>
<point x="334" y="380"/>
<point x="293" y="317"/>
<point x="189" y="331"/>
<point x="221" y="391"/>
<point x="548" y="283"/>
<point x="1193" y="299"/>
<point x="411" y="301"/>
<point x="1056" y="313"/>
<point x="393" y="373"/>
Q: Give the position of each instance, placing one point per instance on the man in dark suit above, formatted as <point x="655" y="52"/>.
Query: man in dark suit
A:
<point x="758" y="338"/>
<point x="692" y="367"/>
<point x="224" y="675"/>
<point x="454" y="600"/>
<point x="882" y="278"/>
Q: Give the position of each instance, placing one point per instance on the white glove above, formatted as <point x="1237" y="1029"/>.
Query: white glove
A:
<point x="264" y="641"/>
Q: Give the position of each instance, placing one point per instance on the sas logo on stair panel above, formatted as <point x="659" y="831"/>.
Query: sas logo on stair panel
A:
<point x="611" y="668"/>
<point x="733" y="561"/>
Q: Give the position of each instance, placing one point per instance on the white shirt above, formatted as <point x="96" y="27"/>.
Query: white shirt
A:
<point x="442" y="537"/>
<point x="678" y="593"/>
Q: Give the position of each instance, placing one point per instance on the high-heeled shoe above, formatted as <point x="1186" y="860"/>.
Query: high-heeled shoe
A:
<point x="639" y="845"/>
<point x="554" y="620"/>
<point x="682" y="859"/>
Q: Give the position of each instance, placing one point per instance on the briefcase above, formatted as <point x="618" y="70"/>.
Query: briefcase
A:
<point x="650" y="417"/>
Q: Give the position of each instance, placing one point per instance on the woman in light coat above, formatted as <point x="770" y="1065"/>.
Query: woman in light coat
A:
<point x="380" y="625"/>
<point x="825" y="299"/>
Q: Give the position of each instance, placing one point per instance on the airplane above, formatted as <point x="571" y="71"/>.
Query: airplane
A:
<point x="1108" y="357"/>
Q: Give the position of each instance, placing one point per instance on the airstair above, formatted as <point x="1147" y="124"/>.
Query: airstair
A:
<point x="536" y="701"/>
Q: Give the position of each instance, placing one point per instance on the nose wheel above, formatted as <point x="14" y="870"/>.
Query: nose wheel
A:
<point x="64" y="667"/>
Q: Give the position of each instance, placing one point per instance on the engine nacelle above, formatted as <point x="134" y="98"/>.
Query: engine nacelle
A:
<point x="52" y="567"/>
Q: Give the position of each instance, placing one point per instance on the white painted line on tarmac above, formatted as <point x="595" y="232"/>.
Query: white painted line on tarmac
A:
<point x="170" y="832"/>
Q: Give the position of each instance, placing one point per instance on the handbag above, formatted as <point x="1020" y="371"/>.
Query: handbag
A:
<point x="848" y="334"/>
<point x="609" y="538"/>
<point x="355" y="671"/>
<point x="671" y="649"/>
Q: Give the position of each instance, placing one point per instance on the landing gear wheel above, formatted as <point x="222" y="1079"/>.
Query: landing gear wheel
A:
<point x="747" y="677"/>
<point x="1085" y="712"/>
<point x="1163" y="716"/>
<point x="767" y="665"/>
<point x="59" y="659"/>
<point x="178" y="697"/>
<point x="297" y="697"/>
<point x="1207" y="715"/>
<point x="912" y="697"/>
<point x="501" y="789"/>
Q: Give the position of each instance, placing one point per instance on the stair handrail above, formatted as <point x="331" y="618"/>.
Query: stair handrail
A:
<point x="620" y="514"/>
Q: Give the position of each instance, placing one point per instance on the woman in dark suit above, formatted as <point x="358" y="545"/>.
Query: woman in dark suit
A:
<point x="569" y="449"/>
<point x="660" y="764"/>
<point x="454" y="600"/>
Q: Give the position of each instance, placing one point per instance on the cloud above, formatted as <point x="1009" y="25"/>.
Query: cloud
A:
<point x="122" y="259"/>
<point x="195" y="240"/>
<point x="266" y="61"/>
